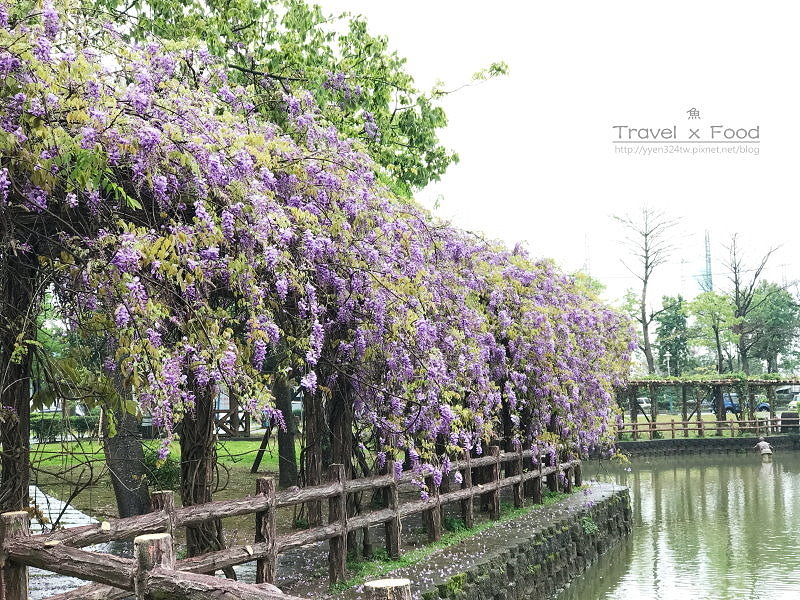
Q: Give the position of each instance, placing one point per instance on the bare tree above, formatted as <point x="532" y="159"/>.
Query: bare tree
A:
<point x="650" y="244"/>
<point x="744" y="281"/>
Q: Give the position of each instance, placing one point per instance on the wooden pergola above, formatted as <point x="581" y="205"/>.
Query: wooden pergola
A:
<point x="699" y="389"/>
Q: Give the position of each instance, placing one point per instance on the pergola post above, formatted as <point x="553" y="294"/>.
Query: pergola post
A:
<point x="684" y="408"/>
<point x="653" y="409"/>
<point x="771" y="400"/>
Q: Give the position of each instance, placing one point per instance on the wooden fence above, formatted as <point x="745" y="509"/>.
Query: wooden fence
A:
<point x="673" y="428"/>
<point x="149" y="575"/>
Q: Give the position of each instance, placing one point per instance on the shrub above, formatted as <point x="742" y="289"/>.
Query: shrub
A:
<point x="589" y="526"/>
<point x="83" y="425"/>
<point x="454" y="524"/>
<point x="48" y="428"/>
<point x="164" y="474"/>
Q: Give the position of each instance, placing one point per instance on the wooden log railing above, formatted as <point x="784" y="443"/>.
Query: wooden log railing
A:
<point x="675" y="428"/>
<point x="116" y="577"/>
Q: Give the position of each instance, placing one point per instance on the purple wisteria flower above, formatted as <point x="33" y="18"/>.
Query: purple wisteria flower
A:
<point x="309" y="381"/>
<point x="212" y="238"/>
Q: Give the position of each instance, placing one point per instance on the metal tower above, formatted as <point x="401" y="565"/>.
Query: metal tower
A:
<point x="706" y="283"/>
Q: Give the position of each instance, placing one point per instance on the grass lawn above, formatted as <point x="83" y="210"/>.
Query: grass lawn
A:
<point x="61" y="468"/>
<point x="239" y="455"/>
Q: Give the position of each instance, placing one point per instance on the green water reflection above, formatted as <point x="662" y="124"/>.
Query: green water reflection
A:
<point x="722" y="527"/>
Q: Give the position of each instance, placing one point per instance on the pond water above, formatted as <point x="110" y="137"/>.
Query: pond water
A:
<point x="719" y="527"/>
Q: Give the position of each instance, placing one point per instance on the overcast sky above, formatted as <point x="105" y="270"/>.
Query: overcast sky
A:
<point x="537" y="159"/>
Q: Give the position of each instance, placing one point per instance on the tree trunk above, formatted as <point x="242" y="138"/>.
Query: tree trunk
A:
<point x="340" y="421"/>
<point x="772" y="363"/>
<point x="287" y="459"/>
<point x="198" y="469"/>
<point x="744" y="358"/>
<point x="312" y="404"/>
<point x="19" y="300"/>
<point x="125" y="461"/>
<point x="15" y="430"/>
<point x="646" y="346"/>
<point x="508" y="426"/>
<point x="125" y="455"/>
<point x="720" y="357"/>
<point x="719" y="404"/>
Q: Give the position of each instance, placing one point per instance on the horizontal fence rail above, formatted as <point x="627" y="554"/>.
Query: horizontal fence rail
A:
<point x="114" y="577"/>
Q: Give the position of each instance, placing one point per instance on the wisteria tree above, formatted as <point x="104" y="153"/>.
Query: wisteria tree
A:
<point x="358" y="85"/>
<point x="219" y="252"/>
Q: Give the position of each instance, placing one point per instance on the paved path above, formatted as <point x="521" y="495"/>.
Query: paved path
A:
<point x="43" y="583"/>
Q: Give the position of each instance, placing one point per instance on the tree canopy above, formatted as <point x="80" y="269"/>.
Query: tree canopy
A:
<point x="358" y="83"/>
<point x="673" y="335"/>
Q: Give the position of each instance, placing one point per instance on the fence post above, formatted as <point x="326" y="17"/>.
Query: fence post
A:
<point x="494" y="495"/>
<point x="673" y="429"/>
<point x="578" y="475"/>
<point x="151" y="551"/>
<point x="568" y="479"/>
<point x="433" y="516"/>
<point x="552" y="478"/>
<point x="266" y="531"/>
<point x="337" y="511"/>
<point x="388" y="589"/>
<point x="392" y="526"/>
<point x="698" y="408"/>
<point x="164" y="501"/>
<point x="467" y="508"/>
<point x="537" y="481"/>
<point x="13" y="525"/>
<point x="519" y="489"/>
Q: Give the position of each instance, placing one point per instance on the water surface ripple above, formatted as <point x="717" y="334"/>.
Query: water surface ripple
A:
<point x="719" y="527"/>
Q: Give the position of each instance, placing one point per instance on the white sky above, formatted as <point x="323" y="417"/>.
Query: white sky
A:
<point x="537" y="162"/>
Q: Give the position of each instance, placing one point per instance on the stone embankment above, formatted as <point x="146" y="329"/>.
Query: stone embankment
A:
<point x="707" y="445"/>
<point x="528" y="558"/>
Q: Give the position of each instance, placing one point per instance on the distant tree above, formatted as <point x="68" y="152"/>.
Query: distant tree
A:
<point x="589" y="284"/>
<point x="672" y="334"/>
<point x="713" y="316"/>
<point x="649" y="242"/>
<point x="745" y="281"/>
<point x="774" y="321"/>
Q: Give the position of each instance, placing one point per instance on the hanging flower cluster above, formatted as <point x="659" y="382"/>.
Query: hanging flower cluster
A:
<point x="217" y="249"/>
